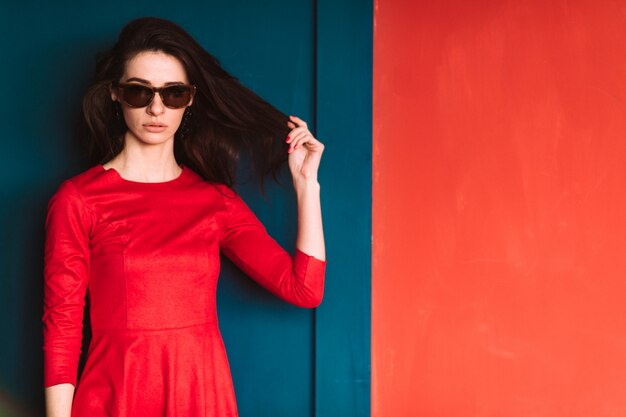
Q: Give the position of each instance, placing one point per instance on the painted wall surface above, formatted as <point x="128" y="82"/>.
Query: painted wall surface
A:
<point x="344" y="113"/>
<point x="499" y="208"/>
<point x="281" y="364"/>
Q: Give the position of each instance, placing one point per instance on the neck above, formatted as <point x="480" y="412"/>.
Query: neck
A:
<point x="146" y="162"/>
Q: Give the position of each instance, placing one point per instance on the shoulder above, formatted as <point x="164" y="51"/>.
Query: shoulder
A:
<point x="69" y="188"/>
<point x="73" y="191"/>
<point x="225" y="191"/>
<point x="229" y="196"/>
<point x="84" y="181"/>
<point x="222" y="191"/>
<point x="67" y="206"/>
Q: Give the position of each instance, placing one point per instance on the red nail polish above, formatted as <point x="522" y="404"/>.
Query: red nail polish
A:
<point x="287" y="140"/>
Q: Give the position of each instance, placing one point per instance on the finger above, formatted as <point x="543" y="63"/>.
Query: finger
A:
<point x="301" y="139"/>
<point x="291" y="125"/>
<point x="299" y="135"/>
<point x="294" y="146"/>
<point x="314" y="145"/>
<point x="295" y="132"/>
<point x="299" y="121"/>
<point x="297" y="144"/>
<point x="311" y="145"/>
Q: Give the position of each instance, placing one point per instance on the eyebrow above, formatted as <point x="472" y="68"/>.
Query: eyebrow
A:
<point x="141" y="80"/>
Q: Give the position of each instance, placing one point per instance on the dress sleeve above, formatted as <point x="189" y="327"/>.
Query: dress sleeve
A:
<point x="297" y="279"/>
<point x="66" y="271"/>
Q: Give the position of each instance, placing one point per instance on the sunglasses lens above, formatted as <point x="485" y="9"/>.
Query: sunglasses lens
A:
<point x="137" y="95"/>
<point x="176" y="96"/>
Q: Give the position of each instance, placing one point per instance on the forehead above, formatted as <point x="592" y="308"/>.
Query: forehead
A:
<point x="156" y="67"/>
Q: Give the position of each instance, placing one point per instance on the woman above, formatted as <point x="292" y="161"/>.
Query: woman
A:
<point x="140" y="232"/>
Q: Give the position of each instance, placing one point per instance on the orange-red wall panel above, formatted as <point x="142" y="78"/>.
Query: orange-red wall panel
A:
<point x="499" y="209"/>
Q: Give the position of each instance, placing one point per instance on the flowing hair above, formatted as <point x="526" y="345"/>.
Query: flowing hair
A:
<point x="226" y="118"/>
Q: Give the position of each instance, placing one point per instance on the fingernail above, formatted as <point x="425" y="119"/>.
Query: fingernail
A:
<point x="287" y="140"/>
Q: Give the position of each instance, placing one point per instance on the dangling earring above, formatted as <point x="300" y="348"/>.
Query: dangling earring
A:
<point x="185" y="125"/>
<point x="116" y="110"/>
<point x="118" y="124"/>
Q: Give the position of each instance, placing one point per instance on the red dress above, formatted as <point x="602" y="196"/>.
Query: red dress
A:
<point x="148" y="256"/>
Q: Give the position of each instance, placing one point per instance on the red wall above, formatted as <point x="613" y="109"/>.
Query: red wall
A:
<point x="499" y="209"/>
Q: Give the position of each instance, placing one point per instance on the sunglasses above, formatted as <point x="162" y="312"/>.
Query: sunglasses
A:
<point x="173" y="96"/>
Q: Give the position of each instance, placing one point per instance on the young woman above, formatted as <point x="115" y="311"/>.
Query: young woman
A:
<point x="140" y="232"/>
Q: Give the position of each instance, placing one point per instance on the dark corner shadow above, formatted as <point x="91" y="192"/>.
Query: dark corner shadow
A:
<point x="24" y="200"/>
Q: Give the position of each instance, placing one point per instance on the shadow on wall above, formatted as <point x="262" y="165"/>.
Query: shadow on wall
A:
<point x="40" y="152"/>
<point x="21" y="373"/>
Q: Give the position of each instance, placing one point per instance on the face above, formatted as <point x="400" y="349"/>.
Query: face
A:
<point x="155" y="123"/>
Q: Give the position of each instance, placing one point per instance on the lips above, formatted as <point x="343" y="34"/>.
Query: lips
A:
<point x="155" y="127"/>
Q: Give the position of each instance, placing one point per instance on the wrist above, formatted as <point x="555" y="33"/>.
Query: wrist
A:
<point x="306" y="185"/>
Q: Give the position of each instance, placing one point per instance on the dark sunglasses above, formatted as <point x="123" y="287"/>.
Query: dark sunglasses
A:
<point x="173" y="96"/>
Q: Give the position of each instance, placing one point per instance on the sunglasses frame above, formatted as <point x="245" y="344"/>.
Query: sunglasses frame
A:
<point x="155" y="90"/>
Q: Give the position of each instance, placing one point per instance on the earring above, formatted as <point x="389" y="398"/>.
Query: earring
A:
<point x="116" y="111"/>
<point x="185" y="124"/>
<point x="118" y="123"/>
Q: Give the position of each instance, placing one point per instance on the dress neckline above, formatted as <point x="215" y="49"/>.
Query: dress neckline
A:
<point x="167" y="183"/>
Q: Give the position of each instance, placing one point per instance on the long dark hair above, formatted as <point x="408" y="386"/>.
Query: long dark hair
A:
<point x="226" y="119"/>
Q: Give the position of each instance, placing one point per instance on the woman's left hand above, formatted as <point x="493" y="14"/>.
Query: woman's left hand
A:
<point x="305" y="152"/>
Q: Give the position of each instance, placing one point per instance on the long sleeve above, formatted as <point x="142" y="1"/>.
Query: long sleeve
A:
<point x="66" y="271"/>
<point x="298" y="280"/>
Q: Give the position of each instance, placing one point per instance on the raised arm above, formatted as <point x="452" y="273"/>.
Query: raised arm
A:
<point x="298" y="279"/>
<point x="66" y="270"/>
<point x="305" y="153"/>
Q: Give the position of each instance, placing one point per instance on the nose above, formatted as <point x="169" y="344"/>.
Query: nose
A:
<point x="156" y="106"/>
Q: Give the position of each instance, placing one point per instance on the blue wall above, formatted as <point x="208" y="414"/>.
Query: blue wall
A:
<point x="308" y="58"/>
